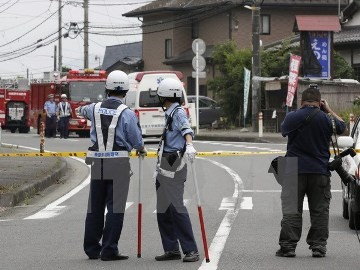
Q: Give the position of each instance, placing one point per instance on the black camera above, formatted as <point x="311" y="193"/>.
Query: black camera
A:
<point x="336" y="165"/>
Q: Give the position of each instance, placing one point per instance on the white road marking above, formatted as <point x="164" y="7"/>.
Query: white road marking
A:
<point x="229" y="203"/>
<point x="53" y="209"/>
<point x="219" y="241"/>
<point x="246" y="203"/>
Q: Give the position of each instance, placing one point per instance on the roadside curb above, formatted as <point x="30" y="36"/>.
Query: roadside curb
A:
<point x="26" y="191"/>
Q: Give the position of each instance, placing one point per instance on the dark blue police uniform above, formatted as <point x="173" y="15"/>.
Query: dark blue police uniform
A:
<point x="172" y="216"/>
<point x="110" y="174"/>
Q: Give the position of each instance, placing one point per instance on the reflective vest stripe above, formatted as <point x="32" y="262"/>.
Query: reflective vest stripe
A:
<point x="111" y="130"/>
<point x="64" y="111"/>
<point x="99" y="134"/>
<point x="112" y="127"/>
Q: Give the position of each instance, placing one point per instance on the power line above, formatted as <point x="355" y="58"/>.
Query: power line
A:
<point x="32" y="28"/>
<point x="30" y="45"/>
<point x="13" y="4"/>
<point x="5" y="3"/>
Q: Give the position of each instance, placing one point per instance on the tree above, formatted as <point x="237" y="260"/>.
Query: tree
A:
<point x="229" y="87"/>
<point x="231" y="61"/>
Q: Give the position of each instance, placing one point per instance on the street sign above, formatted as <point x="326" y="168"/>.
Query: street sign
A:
<point x="201" y="74"/>
<point x="201" y="46"/>
<point x="201" y="63"/>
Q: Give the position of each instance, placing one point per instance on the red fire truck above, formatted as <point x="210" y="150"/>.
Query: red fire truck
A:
<point x="14" y="109"/>
<point x="81" y="87"/>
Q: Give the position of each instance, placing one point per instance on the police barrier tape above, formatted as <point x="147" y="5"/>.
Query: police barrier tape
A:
<point x="133" y="154"/>
<point x="149" y="154"/>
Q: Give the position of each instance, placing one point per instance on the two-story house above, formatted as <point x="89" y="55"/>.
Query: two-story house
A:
<point x="169" y="27"/>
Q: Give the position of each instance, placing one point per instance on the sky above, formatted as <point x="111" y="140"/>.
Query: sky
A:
<point x="24" y="22"/>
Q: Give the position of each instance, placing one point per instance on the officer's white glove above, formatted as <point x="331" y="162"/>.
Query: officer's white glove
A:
<point x="190" y="152"/>
<point x="141" y="152"/>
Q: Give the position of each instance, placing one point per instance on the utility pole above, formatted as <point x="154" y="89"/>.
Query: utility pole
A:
<point x="54" y="57"/>
<point x="256" y="64"/>
<point x="60" y="37"/>
<point x="86" y="34"/>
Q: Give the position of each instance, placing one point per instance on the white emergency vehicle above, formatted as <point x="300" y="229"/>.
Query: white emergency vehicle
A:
<point x="142" y="98"/>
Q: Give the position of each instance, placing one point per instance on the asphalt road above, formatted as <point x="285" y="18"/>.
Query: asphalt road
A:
<point x="240" y="200"/>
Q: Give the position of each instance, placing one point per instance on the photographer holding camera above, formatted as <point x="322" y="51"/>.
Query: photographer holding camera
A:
<point x="306" y="172"/>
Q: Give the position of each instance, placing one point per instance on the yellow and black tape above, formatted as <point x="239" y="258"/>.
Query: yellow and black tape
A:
<point x="149" y="154"/>
<point x="133" y="154"/>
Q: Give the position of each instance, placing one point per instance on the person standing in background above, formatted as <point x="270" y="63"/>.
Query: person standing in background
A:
<point x="50" y="110"/>
<point x="64" y="113"/>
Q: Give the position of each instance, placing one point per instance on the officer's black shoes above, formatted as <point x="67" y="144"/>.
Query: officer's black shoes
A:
<point x="117" y="257"/>
<point x="169" y="255"/>
<point x="316" y="253"/>
<point x="94" y="257"/>
<point x="192" y="256"/>
<point x="285" y="253"/>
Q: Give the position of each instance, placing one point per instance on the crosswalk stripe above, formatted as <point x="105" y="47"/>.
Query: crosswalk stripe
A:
<point x="229" y="203"/>
<point x="246" y="203"/>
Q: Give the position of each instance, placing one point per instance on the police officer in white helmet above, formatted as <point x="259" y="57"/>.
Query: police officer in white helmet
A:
<point x="115" y="131"/>
<point x="175" y="145"/>
<point x="63" y="112"/>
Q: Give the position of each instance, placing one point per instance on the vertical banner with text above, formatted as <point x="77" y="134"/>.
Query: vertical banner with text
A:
<point x="293" y="78"/>
<point x="247" y="74"/>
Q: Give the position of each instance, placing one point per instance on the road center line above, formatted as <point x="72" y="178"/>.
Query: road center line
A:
<point x="219" y="241"/>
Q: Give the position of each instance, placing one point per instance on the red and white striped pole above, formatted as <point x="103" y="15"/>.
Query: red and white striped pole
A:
<point x="202" y="225"/>
<point x="42" y="139"/>
<point x="141" y="159"/>
<point x="260" y="124"/>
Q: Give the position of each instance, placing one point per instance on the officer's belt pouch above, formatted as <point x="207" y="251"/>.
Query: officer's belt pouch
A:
<point x="170" y="161"/>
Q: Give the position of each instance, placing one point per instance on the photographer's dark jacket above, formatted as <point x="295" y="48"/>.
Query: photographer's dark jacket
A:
<point x="312" y="144"/>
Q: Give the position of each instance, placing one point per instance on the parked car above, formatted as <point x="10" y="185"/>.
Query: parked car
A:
<point x="209" y="110"/>
<point x="351" y="191"/>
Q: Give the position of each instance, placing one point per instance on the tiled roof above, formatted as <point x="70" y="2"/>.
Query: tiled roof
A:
<point x="122" y="52"/>
<point x="178" y="5"/>
<point x="347" y="35"/>
<point x="317" y="23"/>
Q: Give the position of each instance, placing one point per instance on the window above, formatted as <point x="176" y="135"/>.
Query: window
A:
<point x="168" y="48"/>
<point x="195" y="30"/>
<point x="265" y="25"/>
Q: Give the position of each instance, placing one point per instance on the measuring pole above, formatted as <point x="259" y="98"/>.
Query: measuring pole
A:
<point x="201" y="218"/>
<point x="141" y="158"/>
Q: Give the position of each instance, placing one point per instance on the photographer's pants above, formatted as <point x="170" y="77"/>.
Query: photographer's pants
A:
<point x="172" y="216"/>
<point x="317" y="188"/>
<point x="109" y="187"/>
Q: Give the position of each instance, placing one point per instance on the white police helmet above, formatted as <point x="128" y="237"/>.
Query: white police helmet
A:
<point x="171" y="88"/>
<point x="117" y="81"/>
<point x="63" y="96"/>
